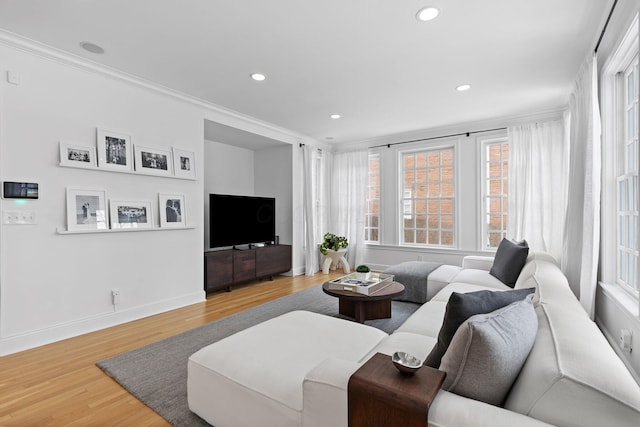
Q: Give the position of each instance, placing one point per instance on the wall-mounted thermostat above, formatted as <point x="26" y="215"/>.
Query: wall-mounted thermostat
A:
<point x="19" y="190"/>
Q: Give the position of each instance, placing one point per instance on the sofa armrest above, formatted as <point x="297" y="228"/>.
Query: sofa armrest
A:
<point x="324" y="393"/>
<point x="477" y="262"/>
<point x="325" y="403"/>
<point x="451" y="410"/>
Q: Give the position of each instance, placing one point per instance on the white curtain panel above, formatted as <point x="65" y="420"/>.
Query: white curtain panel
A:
<point x="349" y="179"/>
<point x="538" y="177"/>
<point x="309" y="196"/>
<point x="582" y="224"/>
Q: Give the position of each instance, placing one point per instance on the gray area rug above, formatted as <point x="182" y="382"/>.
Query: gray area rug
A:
<point x="157" y="373"/>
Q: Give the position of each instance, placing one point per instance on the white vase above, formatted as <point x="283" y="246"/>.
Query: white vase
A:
<point x="363" y="276"/>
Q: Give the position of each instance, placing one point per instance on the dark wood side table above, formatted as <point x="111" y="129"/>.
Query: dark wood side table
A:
<point x="382" y="396"/>
<point x="366" y="307"/>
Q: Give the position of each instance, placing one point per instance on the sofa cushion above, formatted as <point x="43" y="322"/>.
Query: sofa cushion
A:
<point x="415" y="344"/>
<point x="572" y="376"/>
<point x="551" y="285"/>
<point x="426" y="320"/>
<point x="464" y="288"/>
<point x="488" y="350"/>
<point x="509" y="260"/>
<point x="462" y="306"/>
<point x="478" y="277"/>
<point x="440" y="278"/>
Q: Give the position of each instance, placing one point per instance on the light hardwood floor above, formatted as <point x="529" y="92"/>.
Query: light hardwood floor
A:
<point x="60" y="385"/>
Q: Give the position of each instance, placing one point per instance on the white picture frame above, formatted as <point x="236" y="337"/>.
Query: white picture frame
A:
<point x="153" y="161"/>
<point x="131" y="214"/>
<point x="86" y="209"/>
<point x="114" y="151"/>
<point x="172" y="210"/>
<point x="184" y="163"/>
<point x="77" y="156"/>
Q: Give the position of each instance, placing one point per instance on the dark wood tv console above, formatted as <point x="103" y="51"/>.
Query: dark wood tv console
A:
<point x="225" y="268"/>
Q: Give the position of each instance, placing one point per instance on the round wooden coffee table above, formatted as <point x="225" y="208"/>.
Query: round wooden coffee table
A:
<point x="366" y="307"/>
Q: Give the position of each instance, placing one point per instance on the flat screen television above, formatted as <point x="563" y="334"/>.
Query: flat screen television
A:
<point x="239" y="220"/>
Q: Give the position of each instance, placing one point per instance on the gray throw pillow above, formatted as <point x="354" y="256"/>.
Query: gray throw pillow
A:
<point x="462" y="306"/>
<point x="488" y="351"/>
<point x="509" y="260"/>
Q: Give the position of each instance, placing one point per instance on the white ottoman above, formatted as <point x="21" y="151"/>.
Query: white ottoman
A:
<point x="255" y="376"/>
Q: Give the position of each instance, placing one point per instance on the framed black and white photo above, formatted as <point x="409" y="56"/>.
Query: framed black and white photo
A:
<point x="86" y="209"/>
<point x="172" y="210"/>
<point x="77" y="156"/>
<point x="153" y="161"/>
<point x="114" y="151"/>
<point x="131" y="214"/>
<point x="184" y="163"/>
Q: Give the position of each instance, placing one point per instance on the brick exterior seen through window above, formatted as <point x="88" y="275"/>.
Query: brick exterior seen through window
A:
<point x="428" y="203"/>
<point x="372" y="220"/>
<point x="496" y="174"/>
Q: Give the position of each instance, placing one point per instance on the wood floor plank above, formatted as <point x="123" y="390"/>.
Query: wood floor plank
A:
<point x="59" y="384"/>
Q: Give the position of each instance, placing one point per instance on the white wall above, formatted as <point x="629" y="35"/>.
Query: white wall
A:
<point x="227" y="170"/>
<point x="53" y="286"/>
<point x="274" y="178"/>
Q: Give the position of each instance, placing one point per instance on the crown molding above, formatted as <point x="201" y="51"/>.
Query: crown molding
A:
<point x="223" y="115"/>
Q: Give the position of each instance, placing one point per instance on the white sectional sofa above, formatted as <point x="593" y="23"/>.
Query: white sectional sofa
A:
<point x="293" y="370"/>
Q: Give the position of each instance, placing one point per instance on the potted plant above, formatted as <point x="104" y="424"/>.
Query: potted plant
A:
<point x="333" y="242"/>
<point x="334" y="248"/>
<point x="363" y="272"/>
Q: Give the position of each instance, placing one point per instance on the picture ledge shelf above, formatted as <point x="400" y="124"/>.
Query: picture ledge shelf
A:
<point x="131" y="172"/>
<point x="121" y="230"/>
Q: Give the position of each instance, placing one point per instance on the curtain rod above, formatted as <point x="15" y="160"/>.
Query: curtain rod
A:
<point x="302" y="145"/>
<point x="467" y="134"/>
<point x="606" y="24"/>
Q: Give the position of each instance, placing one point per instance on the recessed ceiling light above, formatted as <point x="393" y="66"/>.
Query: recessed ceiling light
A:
<point x="92" y="47"/>
<point x="463" y="87"/>
<point x="427" y="14"/>
<point x="335" y="116"/>
<point x="258" y="77"/>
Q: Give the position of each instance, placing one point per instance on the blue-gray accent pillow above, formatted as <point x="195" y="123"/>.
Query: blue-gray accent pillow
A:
<point x="462" y="306"/>
<point x="488" y="351"/>
<point x="509" y="260"/>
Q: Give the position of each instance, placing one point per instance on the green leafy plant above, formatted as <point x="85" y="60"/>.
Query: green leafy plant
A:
<point x="333" y="242"/>
<point x="363" y="269"/>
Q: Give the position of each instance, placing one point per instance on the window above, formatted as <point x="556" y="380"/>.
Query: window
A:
<point x="627" y="179"/>
<point x="494" y="191"/>
<point x="372" y="220"/>
<point x="428" y="197"/>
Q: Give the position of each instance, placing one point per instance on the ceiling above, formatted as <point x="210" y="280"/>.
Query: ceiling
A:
<point x="371" y="61"/>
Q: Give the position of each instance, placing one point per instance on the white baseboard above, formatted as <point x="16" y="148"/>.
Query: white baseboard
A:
<point x="31" y="339"/>
<point x="379" y="267"/>
<point x="298" y="271"/>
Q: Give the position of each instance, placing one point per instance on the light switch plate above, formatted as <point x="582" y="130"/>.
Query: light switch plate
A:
<point x="19" y="217"/>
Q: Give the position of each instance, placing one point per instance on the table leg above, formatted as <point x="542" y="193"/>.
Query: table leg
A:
<point x="365" y="310"/>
